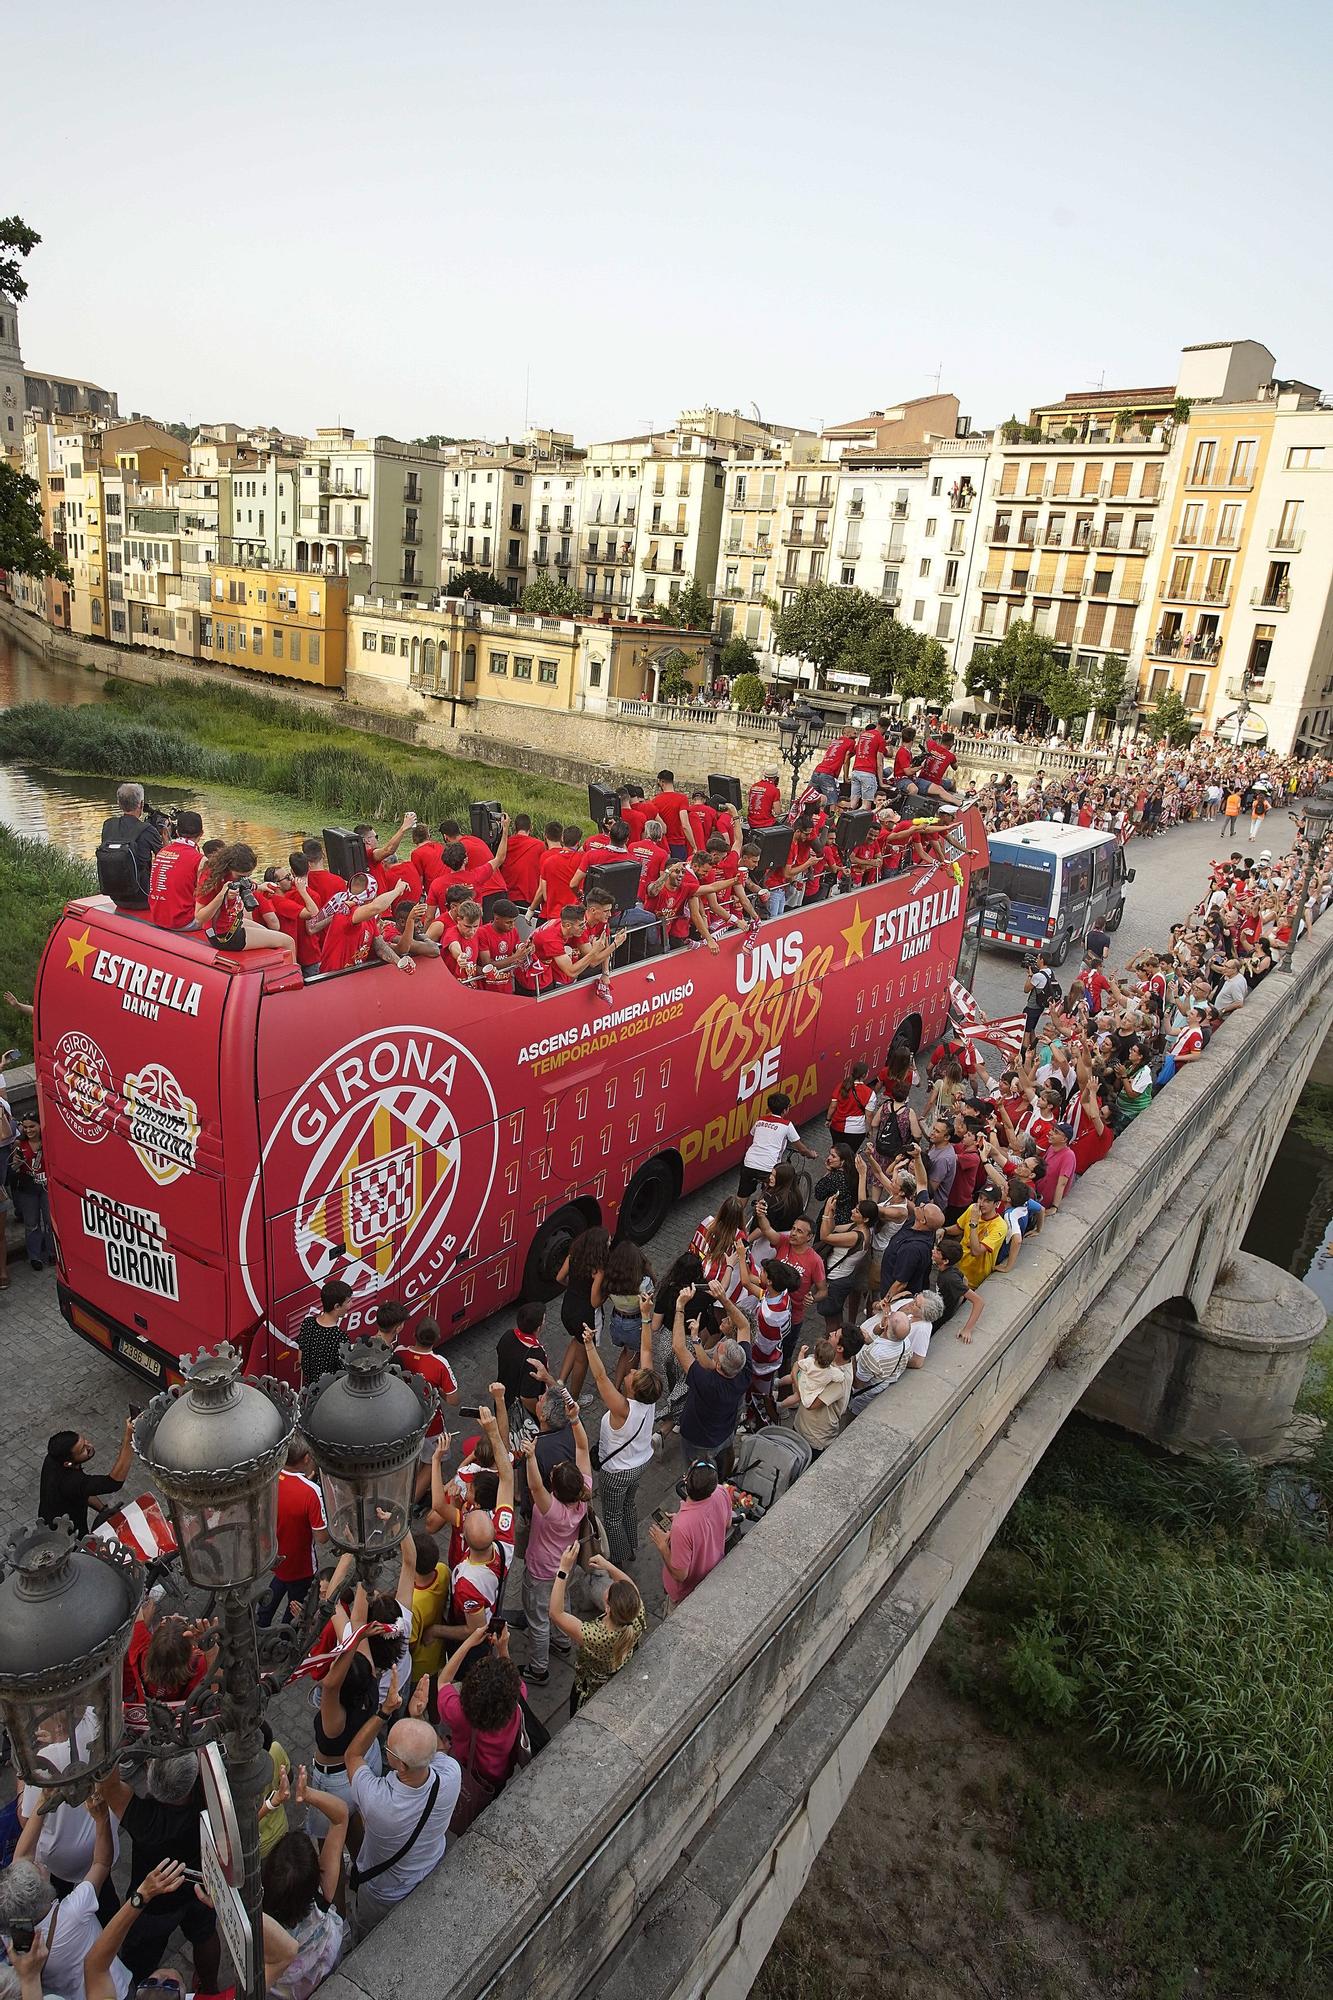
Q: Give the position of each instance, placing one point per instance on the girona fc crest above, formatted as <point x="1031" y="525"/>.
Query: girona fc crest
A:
<point x="377" y="1172"/>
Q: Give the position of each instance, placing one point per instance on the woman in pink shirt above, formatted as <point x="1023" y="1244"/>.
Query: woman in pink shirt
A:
<point x="484" y="1710"/>
<point x="557" y="1514"/>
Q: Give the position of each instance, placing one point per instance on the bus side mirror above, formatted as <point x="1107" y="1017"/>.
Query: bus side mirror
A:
<point x="1129" y="874"/>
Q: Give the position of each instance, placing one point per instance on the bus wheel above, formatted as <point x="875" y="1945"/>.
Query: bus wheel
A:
<point x="550" y="1247"/>
<point x="1058" y="950"/>
<point x="1112" y="921"/>
<point x="648" y="1201"/>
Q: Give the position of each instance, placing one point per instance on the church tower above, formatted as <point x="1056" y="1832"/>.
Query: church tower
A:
<point x="12" y="399"/>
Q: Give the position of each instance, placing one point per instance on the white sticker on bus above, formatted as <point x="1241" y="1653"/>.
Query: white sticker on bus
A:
<point x="134" y="1242"/>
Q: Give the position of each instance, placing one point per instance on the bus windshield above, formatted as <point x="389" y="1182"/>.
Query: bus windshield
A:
<point x="1027" y="881"/>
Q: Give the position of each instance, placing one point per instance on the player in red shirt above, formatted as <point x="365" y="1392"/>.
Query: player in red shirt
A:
<point x="460" y="941"/>
<point x="421" y="1359"/>
<point x="352" y="936"/>
<point x="938" y="762"/>
<point x="322" y="882"/>
<point x="405" y="876"/>
<point x="175" y="870"/>
<point x="286" y="899"/>
<point x="831" y="769"/>
<point x="522" y="860"/>
<point x="500" y="948"/>
<point x="868" y="754"/>
<point x="902" y="756"/>
<point x="301" y="1528"/>
<point x="674" y="897"/>
<point x="559" y="866"/>
<point x="703" y="814"/>
<point x="761" y="806"/>
<point x="673" y="809"/>
<point x="560" y="952"/>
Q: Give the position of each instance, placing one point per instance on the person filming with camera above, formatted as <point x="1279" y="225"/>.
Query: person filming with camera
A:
<point x="227" y="903"/>
<point x="125" y="856"/>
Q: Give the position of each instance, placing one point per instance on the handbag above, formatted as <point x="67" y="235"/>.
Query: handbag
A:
<point x="358" y="1876"/>
<point x="595" y="1458"/>
<point x="593" y="1539"/>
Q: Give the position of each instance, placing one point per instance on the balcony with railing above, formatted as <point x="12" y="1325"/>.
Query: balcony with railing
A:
<point x="892" y="552"/>
<point x="451" y="518"/>
<point x="961" y="501"/>
<point x="891" y="595"/>
<point x="1286" y="541"/>
<point x="1276" y="597"/>
<point x="732" y="590"/>
<point x="412" y="490"/>
<point x="411" y="538"/>
<point x="659" y="566"/>
<point x="1249" y="690"/>
<point x="999" y="536"/>
<point x="1194" y="593"/>
<point x="1176" y="646"/>
<point x="805" y="538"/>
<point x="850" y="551"/>
<point x="855" y="509"/>
<point x="1218" y="478"/>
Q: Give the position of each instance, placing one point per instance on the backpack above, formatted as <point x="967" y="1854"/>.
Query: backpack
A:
<point x="117" y="876"/>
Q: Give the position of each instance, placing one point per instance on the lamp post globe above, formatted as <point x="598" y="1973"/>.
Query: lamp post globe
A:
<point x="66" y="1613"/>
<point x="215" y="1447"/>
<point x="364" y="1427"/>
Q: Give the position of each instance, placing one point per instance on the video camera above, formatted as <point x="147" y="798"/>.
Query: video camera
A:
<point x="164" y="818"/>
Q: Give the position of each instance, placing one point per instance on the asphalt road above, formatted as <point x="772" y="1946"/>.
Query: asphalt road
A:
<point x="57" y="1380"/>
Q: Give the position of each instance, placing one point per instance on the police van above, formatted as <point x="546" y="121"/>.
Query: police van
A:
<point x="1050" y="884"/>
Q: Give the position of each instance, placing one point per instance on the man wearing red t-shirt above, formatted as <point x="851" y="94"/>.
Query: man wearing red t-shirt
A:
<point x="763" y="800"/>
<point x="174" y="873"/>
<point x="868" y="754"/>
<point x="322" y="882"/>
<point x="405" y="876"/>
<point x="938" y="762"/>
<point x="673" y="809"/>
<point x="460" y="941"/>
<point x="649" y="849"/>
<point x="354" y="935"/>
<point x="286" y="898"/>
<point x="703" y="815"/>
<point x="301" y="1528"/>
<point x="560" y="952"/>
<point x="902" y="756"/>
<point x="500" y="948"/>
<point x="831" y="769"/>
<point x="523" y="860"/>
<point x="421" y="1359"/>
<point x="559" y="867"/>
<point x="488" y="1550"/>
<point x="674" y="898"/>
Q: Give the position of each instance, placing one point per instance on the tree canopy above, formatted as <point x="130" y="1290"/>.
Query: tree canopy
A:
<point x="551" y="598"/>
<point x="688" y="606"/>
<point x="737" y="657"/>
<point x="843" y="630"/>
<point x="747" y="694"/>
<point x="481" y="585"/>
<point x="673" y="675"/>
<point x="17" y="241"/>
<point x="23" y="547"/>
<point x="1168" y="720"/>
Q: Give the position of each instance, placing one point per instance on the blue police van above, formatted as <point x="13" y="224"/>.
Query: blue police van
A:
<point x="1050" y="884"/>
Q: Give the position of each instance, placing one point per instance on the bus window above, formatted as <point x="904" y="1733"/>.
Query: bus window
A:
<point x="1101" y="869"/>
<point x="1026" y="883"/>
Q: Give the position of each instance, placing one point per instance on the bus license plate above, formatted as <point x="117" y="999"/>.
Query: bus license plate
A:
<point x="148" y="1362"/>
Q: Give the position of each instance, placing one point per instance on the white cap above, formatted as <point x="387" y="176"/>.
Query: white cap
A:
<point x="1267" y="854"/>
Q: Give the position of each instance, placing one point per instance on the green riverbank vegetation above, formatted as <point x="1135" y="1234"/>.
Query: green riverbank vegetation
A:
<point x="36" y="882"/>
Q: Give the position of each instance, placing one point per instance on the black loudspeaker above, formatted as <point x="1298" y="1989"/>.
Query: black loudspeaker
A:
<point x="774" y="844"/>
<point x="346" y="852"/>
<point x="853" y="828"/>
<point x="603" y="804"/>
<point x="484" y="815"/>
<point x="620" y="879"/>
<point x="724" y="791"/>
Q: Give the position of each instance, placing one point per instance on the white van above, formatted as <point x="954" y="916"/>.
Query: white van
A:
<point x="1050" y="884"/>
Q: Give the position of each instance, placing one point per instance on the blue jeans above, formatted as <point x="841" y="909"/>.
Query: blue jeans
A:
<point x="777" y="901"/>
<point x="281" y="1592"/>
<point x="826" y="785"/>
<point x="865" y="784"/>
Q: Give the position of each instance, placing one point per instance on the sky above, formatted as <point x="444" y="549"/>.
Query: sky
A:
<point x="416" y="218"/>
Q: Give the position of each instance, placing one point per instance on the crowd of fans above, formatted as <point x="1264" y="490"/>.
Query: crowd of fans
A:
<point x="793" y="1307"/>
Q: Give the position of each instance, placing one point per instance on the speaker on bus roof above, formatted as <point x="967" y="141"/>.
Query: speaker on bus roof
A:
<point x="620" y="878"/>
<point x="484" y="816"/>
<point x="774" y="844"/>
<point x="853" y="828"/>
<point x="346" y="852"/>
<point x="603" y="804"/>
<point x="724" y="791"/>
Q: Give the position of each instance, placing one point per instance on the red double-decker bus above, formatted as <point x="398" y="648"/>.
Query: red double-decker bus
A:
<point x="221" y="1138"/>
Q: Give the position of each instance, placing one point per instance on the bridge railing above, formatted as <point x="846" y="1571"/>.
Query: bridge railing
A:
<point x="559" y="1870"/>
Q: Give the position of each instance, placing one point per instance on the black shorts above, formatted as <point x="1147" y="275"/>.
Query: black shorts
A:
<point x="144" y="1948"/>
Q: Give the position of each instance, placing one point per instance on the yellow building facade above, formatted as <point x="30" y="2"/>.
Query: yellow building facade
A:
<point x="288" y="623"/>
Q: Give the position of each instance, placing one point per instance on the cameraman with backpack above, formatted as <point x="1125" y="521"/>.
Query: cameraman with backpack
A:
<point x="125" y="856"/>
<point x="1039" y="992"/>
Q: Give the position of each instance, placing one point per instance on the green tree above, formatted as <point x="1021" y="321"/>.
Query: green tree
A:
<point x="1014" y="673"/>
<point x="673" y="676"/>
<point x="551" y="598"/>
<point x="1066" y="695"/>
<point x="1168" y="720"/>
<point x="1108" y="686"/>
<point x="17" y="241"/>
<point x="747" y="693"/>
<point x="688" y="606"/>
<point x="23" y="547"/>
<point x="185" y="432"/>
<point x="831" y="627"/>
<point x="927" y="676"/>
<point x="481" y="585"/>
<point x="738" y="657"/>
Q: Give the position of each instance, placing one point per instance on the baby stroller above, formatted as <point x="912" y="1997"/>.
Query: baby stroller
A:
<point x="767" y="1461"/>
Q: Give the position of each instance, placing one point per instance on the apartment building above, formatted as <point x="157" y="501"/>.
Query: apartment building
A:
<point x="756" y="514"/>
<point x="274" y="620"/>
<point x="104" y="465"/>
<point x="44" y="447"/>
<point x="556" y="514"/>
<point x="369" y="509"/>
<point x="1068" y="524"/>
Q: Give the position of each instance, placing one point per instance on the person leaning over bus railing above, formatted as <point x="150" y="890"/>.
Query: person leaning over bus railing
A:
<point x="363" y="931"/>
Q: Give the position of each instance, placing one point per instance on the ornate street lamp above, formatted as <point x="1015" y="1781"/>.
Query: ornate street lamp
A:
<point x="66" y="1613"/>
<point x="215" y="1449"/>
<point x="796" y="729"/>
<point x="364" y="1428"/>
<point x="1318" y="813"/>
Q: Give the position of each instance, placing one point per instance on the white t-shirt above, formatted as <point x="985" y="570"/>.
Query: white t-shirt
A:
<point x="626" y="1449"/>
<point x="69" y="1833"/>
<point x="390" y="1810"/>
<point x="918" y="1338"/>
<point x="77" y="1931"/>
<point x="768" y="1142"/>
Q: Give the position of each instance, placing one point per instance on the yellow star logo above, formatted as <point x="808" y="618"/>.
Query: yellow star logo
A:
<point x="855" y="935"/>
<point x="80" y="950"/>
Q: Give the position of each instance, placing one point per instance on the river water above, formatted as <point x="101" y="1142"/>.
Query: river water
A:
<point x="68" y="810"/>
<point x="1292" y="1225"/>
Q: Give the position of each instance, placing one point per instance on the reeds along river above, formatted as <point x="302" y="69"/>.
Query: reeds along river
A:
<point x="69" y="810"/>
